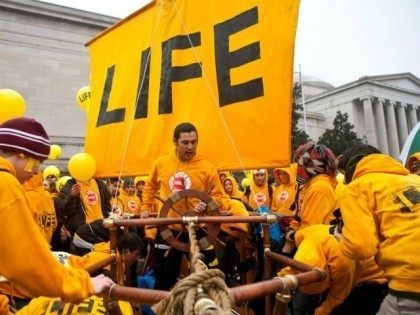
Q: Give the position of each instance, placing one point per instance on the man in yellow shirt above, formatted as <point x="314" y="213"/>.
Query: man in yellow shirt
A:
<point x="184" y="169"/>
<point x="380" y="209"/>
<point x="24" y="144"/>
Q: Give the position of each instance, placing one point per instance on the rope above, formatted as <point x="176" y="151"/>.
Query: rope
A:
<point x="203" y="292"/>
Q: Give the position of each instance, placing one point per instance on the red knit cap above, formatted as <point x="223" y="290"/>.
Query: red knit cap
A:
<point x="25" y="135"/>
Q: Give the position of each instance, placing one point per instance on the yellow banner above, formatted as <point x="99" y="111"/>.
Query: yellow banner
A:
<point x="225" y="66"/>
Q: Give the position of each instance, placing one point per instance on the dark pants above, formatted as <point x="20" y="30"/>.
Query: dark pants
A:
<point x="167" y="269"/>
<point x="363" y="299"/>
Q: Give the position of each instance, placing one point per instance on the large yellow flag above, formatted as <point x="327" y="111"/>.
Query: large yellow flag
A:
<point x="225" y="66"/>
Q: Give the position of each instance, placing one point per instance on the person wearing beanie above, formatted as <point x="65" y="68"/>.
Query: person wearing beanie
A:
<point x="380" y="208"/>
<point x="24" y="144"/>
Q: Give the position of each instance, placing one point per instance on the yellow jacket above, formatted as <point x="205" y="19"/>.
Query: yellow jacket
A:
<point x="380" y="209"/>
<point x="93" y="305"/>
<point x="318" y="248"/>
<point x="41" y="205"/>
<point x="131" y="203"/>
<point x="284" y="194"/>
<point x="26" y="257"/>
<point x="317" y="201"/>
<point x="259" y="195"/>
<point x="169" y="175"/>
<point x="236" y="193"/>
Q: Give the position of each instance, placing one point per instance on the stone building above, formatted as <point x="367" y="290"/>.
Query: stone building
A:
<point x="43" y="57"/>
<point x="383" y="108"/>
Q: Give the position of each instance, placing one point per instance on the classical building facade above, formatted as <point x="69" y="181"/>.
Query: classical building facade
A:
<point x="382" y="108"/>
<point x="43" y="57"/>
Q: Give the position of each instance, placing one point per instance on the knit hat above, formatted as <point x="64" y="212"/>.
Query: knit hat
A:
<point x="25" y="135"/>
<point x="314" y="159"/>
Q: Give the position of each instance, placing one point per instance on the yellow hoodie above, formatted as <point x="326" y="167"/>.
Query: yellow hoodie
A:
<point x="259" y="195"/>
<point x="317" y="201"/>
<point x="285" y="193"/>
<point x="42" y="206"/>
<point x="169" y="175"/>
<point x="380" y="209"/>
<point x="93" y="305"/>
<point x="131" y="203"/>
<point x="318" y="248"/>
<point x="26" y="259"/>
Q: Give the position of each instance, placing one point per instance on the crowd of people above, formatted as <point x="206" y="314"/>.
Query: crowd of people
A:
<point x="356" y="216"/>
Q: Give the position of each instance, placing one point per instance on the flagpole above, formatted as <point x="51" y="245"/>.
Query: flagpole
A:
<point x="303" y="100"/>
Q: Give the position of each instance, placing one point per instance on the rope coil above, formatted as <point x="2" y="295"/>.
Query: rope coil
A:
<point x="203" y="292"/>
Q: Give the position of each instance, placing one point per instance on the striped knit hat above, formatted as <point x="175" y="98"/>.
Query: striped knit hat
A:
<point x="25" y="135"/>
<point x="314" y="159"/>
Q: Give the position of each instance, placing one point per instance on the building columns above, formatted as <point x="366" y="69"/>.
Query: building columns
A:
<point x="412" y="115"/>
<point x="382" y="133"/>
<point x="369" y="121"/>
<point x="402" y="124"/>
<point x="394" y="149"/>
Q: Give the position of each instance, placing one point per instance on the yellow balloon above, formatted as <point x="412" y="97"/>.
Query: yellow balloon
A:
<point x="82" y="167"/>
<point x="61" y="182"/>
<point x="55" y="152"/>
<point x="246" y="182"/>
<point x="12" y="105"/>
<point x="83" y="97"/>
<point x="51" y="170"/>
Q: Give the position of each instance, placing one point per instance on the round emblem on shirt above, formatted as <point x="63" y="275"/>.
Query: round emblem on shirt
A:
<point x="91" y="197"/>
<point x="179" y="181"/>
<point x="132" y="205"/>
<point x="260" y="198"/>
<point x="283" y="196"/>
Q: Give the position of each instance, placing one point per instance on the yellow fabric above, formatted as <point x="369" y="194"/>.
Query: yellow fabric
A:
<point x="380" y="209"/>
<point x="167" y="174"/>
<point x="131" y="203"/>
<point x="41" y="205"/>
<point x="4" y="305"/>
<point x="285" y="193"/>
<point x="91" y="199"/>
<point x="26" y="257"/>
<point x="372" y="272"/>
<point x="318" y="248"/>
<point x="259" y="195"/>
<point x="339" y="189"/>
<point x="317" y="201"/>
<point x="245" y="50"/>
<point x="117" y="205"/>
<point x="237" y="208"/>
<point x="93" y="305"/>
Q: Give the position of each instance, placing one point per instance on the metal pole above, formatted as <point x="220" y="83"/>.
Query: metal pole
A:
<point x="303" y="100"/>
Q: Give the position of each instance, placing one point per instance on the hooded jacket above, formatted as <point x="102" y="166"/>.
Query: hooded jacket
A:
<point x="318" y="248"/>
<point x="169" y="175"/>
<point x="236" y="193"/>
<point x="42" y="206"/>
<point x="285" y="193"/>
<point x="380" y="209"/>
<point x="316" y="201"/>
<point x="29" y="264"/>
<point x="259" y="196"/>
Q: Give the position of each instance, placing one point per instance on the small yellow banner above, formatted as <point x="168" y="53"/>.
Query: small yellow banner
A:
<point x="224" y="66"/>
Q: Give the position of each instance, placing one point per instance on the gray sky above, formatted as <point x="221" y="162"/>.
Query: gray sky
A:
<point x="337" y="40"/>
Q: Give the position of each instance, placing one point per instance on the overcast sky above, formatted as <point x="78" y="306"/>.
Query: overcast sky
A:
<point x="337" y="41"/>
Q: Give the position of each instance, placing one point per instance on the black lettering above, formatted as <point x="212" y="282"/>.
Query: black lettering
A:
<point x="226" y="60"/>
<point x="413" y="195"/>
<point x="106" y="117"/>
<point x="86" y="306"/>
<point x="176" y="73"/>
<point x="58" y="306"/>
<point x="142" y="95"/>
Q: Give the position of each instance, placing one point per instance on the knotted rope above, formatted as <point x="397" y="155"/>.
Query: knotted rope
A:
<point x="203" y="292"/>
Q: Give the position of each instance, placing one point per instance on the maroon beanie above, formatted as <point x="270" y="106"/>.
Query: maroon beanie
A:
<point x="25" y="135"/>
